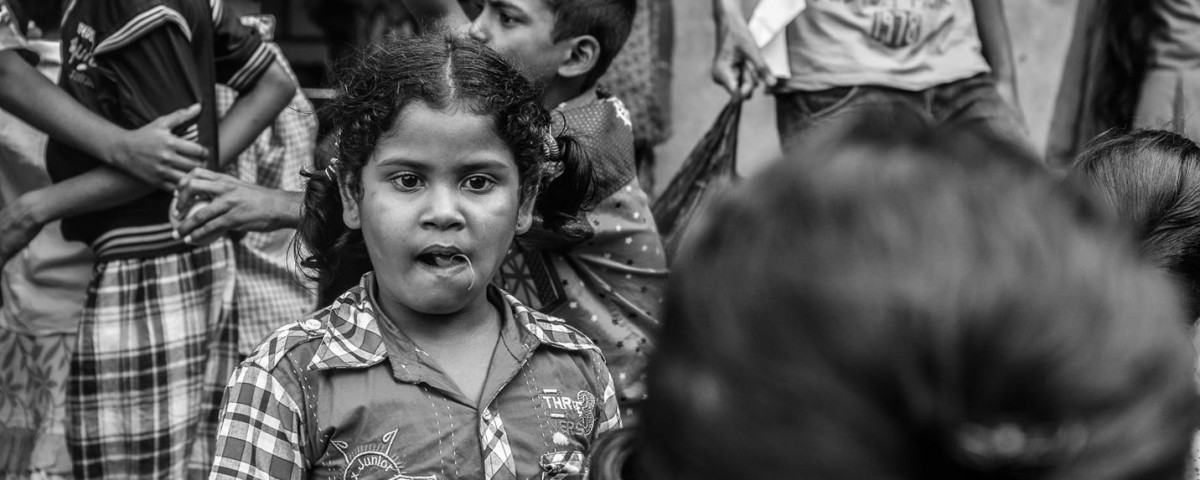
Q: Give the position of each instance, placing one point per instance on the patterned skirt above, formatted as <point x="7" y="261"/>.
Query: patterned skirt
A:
<point x="156" y="345"/>
<point x="33" y="369"/>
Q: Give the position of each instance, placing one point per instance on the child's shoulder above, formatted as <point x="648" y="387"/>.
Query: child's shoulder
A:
<point x="602" y="112"/>
<point x="549" y="330"/>
<point x="130" y="17"/>
<point x="604" y="131"/>
<point x="285" y="341"/>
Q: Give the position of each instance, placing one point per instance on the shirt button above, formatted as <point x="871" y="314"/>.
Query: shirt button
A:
<point x="312" y="324"/>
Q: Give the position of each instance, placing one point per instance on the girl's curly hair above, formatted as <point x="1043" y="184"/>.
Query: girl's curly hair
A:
<point x="442" y="71"/>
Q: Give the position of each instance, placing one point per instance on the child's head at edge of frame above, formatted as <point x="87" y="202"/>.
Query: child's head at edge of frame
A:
<point x="904" y="302"/>
<point x="441" y="155"/>
<point x="566" y="45"/>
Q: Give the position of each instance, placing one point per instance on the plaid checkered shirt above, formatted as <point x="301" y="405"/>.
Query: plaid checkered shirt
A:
<point x="344" y="393"/>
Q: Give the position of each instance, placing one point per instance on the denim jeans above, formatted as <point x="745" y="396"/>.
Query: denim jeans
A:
<point x="972" y="103"/>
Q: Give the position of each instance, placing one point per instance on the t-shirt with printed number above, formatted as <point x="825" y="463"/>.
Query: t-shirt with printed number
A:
<point x="905" y="44"/>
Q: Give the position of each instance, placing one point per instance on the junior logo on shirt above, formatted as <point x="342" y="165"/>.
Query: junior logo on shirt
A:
<point x="373" y="461"/>
<point x="574" y="414"/>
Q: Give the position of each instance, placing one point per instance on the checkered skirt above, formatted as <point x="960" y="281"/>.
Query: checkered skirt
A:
<point x="157" y="344"/>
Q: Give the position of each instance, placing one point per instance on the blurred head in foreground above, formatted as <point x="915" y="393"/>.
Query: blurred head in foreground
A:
<point x="915" y="303"/>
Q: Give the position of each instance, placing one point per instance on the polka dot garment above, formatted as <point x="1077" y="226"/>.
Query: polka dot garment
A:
<point x="610" y="285"/>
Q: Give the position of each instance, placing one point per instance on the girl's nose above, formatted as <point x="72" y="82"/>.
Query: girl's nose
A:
<point x="442" y="210"/>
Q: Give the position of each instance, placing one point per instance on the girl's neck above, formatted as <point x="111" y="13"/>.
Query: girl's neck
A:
<point x="434" y="331"/>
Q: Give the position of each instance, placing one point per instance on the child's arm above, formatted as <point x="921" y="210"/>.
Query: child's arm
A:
<point x="265" y="88"/>
<point x="152" y="153"/>
<point x="100" y="188"/>
<point x="104" y="187"/>
<point x="253" y="111"/>
<point x="235" y="205"/>
<point x="260" y="433"/>
<point x="238" y="205"/>
<point x="997" y="49"/>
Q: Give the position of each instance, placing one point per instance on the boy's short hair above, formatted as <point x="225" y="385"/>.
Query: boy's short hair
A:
<point x="609" y="21"/>
<point x="1151" y="181"/>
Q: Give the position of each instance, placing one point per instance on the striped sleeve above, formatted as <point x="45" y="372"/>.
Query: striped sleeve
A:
<point x="140" y="25"/>
<point x="259" y="433"/>
<point x="240" y="55"/>
<point x="609" y="415"/>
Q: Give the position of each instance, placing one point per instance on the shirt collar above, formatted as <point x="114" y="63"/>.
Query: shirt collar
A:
<point x="353" y="339"/>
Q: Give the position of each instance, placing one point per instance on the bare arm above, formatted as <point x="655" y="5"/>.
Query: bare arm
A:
<point x="98" y="189"/>
<point x="997" y="48"/>
<point x="253" y="111"/>
<point x="152" y="153"/>
<point x="738" y="64"/>
<point x="104" y="187"/>
<point x="237" y="205"/>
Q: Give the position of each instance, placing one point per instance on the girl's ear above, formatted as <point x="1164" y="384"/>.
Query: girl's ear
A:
<point x="525" y="214"/>
<point x="349" y="206"/>
<point x="582" y="58"/>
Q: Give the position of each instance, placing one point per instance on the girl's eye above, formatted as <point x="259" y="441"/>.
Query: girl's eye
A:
<point x="407" y="181"/>
<point x="479" y="183"/>
<point x="507" y="19"/>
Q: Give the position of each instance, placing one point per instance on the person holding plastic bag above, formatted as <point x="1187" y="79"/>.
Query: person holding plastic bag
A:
<point x="949" y="61"/>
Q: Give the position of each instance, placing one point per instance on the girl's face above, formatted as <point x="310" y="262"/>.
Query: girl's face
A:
<point x="440" y="188"/>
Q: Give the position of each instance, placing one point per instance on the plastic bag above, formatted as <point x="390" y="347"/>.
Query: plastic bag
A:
<point x="710" y="168"/>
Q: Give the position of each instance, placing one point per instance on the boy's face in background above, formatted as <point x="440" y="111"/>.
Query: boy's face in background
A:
<point x="523" y="31"/>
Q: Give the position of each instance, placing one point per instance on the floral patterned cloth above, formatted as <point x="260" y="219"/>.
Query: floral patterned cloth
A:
<point x="33" y="369"/>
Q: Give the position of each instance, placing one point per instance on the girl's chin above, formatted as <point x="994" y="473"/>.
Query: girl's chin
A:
<point x="439" y="295"/>
<point x="440" y="310"/>
<point x="443" y="302"/>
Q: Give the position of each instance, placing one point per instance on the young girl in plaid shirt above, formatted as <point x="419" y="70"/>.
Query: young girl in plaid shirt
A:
<point x="424" y="369"/>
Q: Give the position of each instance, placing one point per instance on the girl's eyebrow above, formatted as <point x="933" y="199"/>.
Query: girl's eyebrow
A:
<point x="482" y="162"/>
<point x="490" y="166"/>
<point x="399" y="161"/>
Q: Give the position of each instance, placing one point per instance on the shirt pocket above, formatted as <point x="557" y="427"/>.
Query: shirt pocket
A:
<point x="563" y="465"/>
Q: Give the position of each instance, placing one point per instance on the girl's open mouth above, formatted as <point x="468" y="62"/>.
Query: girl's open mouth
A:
<point x="447" y="262"/>
<point x="442" y="260"/>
